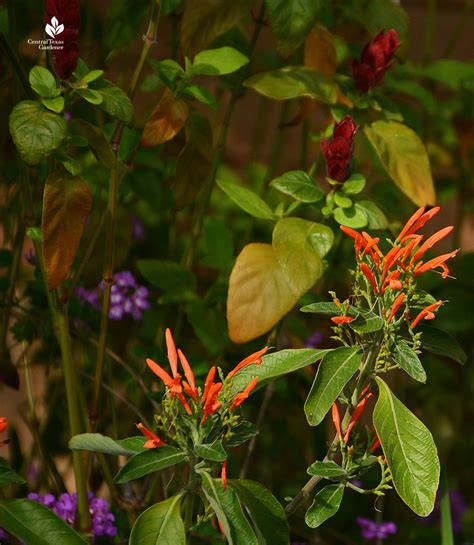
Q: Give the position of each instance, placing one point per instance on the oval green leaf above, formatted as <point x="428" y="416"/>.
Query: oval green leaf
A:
<point x="214" y="452"/>
<point x="299" y="185"/>
<point x="218" y="62"/>
<point x="326" y="469"/>
<point x="409" y="361"/>
<point x="410" y="451"/>
<point x="325" y="504"/>
<point x="8" y="476"/>
<point x="246" y="199"/>
<point x="96" y="442"/>
<point x="334" y="372"/>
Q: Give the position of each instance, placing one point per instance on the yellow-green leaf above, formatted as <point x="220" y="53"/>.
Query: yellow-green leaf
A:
<point x="405" y="159"/>
<point x="166" y="121"/>
<point x="66" y="205"/>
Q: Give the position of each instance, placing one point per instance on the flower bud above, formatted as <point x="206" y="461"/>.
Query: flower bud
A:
<point x="338" y="150"/>
<point x="375" y="59"/>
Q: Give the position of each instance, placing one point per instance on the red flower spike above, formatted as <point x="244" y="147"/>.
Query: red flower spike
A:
<point x="208" y="383"/>
<point x="240" y="398"/>
<point x="375" y="59"/>
<point x="338" y="150"/>
<point x="224" y="475"/>
<point x="190" y="386"/>
<point x="337" y="420"/>
<point x="356" y="415"/>
<point x="430" y="242"/>
<point x="396" y="305"/>
<point x="369" y="275"/>
<point x="342" y="319"/>
<point x="153" y="440"/>
<point x="256" y="358"/>
<point x="172" y="354"/>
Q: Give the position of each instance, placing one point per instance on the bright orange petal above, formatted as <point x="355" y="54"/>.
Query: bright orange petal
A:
<point x="188" y="372"/>
<point x="159" y="372"/>
<point x="172" y="354"/>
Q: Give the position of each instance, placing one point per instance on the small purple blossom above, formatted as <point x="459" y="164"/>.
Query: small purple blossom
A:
<point x="3" y="535"/>
<point x="30" y="257"/>
<point x="65" y="507"/>
<point x="126" y="297"/>
<point x="138" y="229"/>
<point x="372" y="530"/>
<point x="314" y="340"/>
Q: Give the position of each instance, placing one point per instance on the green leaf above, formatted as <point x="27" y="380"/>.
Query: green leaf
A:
<point x="409" y="361"/>
<point x="441" y="343"/>
<point x="447" y="535"/>
<point x="160" y="524"/>
<point x="54" y="104"/>
<point x="266" y="513"/>
<point x="293" y="82"/>
<point x="299" y="185"/>
<point x="328" y="309"/>
<point x="43" y="83"/>
<point x="96" y="442"/>
<point x="148" y="462"/>
<point x="213" y="451"/>
<point x="93" y="75"/>
<point x="341" y="200"/>
<point x="35" y="524"/>
<point x="378" y="14"/>
<point x="246" y="199"/>
<point x="218" y="245"/>
<point x="205" y="20"/>
<point x="326" y="469"/>
<point x="410" y="451"/>
<point x="99" y="144"/>
<point x="405" y="159"/>
<point x="325" y="504"/>
<point x="36" y="131"/>
<point x="218" y="62"/>
<point x="276" y="365"/>
<point x="452" y="73"/>
<point x="114" y="101"/>
<point x="291" y="21"/>
<point x="167" y="70"/>
<point x="354" y="185"/>
<point x="334" y="372"/>
<point x="375" y="217"/>
<point x="241" y="434"/>
<point x="228" y="510"/>
<point x="322" y="239"/>
<point x="90" y="95"/>
<point x="209" y="325"/>
<point x="200" y="93"/>
<point x="366" y="322"/>
<point x="67" y="202"/>
<point x="350" y="217"/>
<point x="8" y="476"/>
<point x="167" y="276"/>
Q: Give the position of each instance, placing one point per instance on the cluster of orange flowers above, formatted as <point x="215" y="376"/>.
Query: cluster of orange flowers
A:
<point x="209" y="402"/>
<point x="401" y="263"/>
<point x="3" y="427"/>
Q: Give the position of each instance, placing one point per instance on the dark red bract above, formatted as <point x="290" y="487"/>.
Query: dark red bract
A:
<point x="66" y="12"/>
<point x="338" y="150"/>
<point x="375" y="59"/>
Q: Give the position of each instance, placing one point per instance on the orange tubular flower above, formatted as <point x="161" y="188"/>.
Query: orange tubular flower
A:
<point x="209" y="382"/>
<point x="337" y="420"/>
<point x="372" y="248"/>
<point x="396" y="305"/>
<point x="173" y="384"/>
<point x="240" y="398"/>
<point x="375" y="444"/>
<point x="369" y="275"/>
<point x="435" y="263"/>
<point x="342" y="319"/>
<point x="153" y="440"/>
<point x="419" y="218"/>
<point x="356" y="415"/>
<point x="256" y="358"/>
<point x="190" y="385"/>
<point x="405" y="252"/>
<point x="172" y="354"/>
<point x="211" y="404"/>
<point x="224" y="475"/>
<point x="389" y="260"/>
<point x="359" y="241"/>
<point x="427" y="313"/>
<point x="430" y="242"/>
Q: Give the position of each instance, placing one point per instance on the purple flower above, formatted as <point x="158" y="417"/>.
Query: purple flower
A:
<point x="372" y="530"/>
<point x="126" y="297"/>
<point x="65" y="507"/>
<point x="314" y="340"/>
<point x="3" y="535"/>
<point x="138" y="229"/>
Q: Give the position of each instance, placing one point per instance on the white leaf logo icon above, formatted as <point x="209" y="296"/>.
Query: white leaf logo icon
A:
<point x="54" y="28"/>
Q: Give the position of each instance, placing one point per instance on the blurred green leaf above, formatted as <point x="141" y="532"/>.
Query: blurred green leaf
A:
<point x="8" y="476"/>
<point x="96" y="442"/>
<point x="209" y="325"/>
<point x="218" y="62"/>
<point x="351" y="217"/>
<point x="439" y="342"/>
<point x="246" y="199"/>
<point x="114" y="101"/>
<point x="451" y="72"/>
<point x="167" y="276"/>
<point x="375" y="217"/>
<point x="43" y="82"/>
<point x="149" y="461"/>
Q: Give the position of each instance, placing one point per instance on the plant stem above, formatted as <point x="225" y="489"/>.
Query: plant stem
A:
<point x="189" y="509"/>
<point x="460" y="24"/>
<point x="308" y="488"/>
<point x="108" y="271"/>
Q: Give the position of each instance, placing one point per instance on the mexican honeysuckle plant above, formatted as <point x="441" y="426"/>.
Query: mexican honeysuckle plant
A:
<point x="194" y="428"/>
